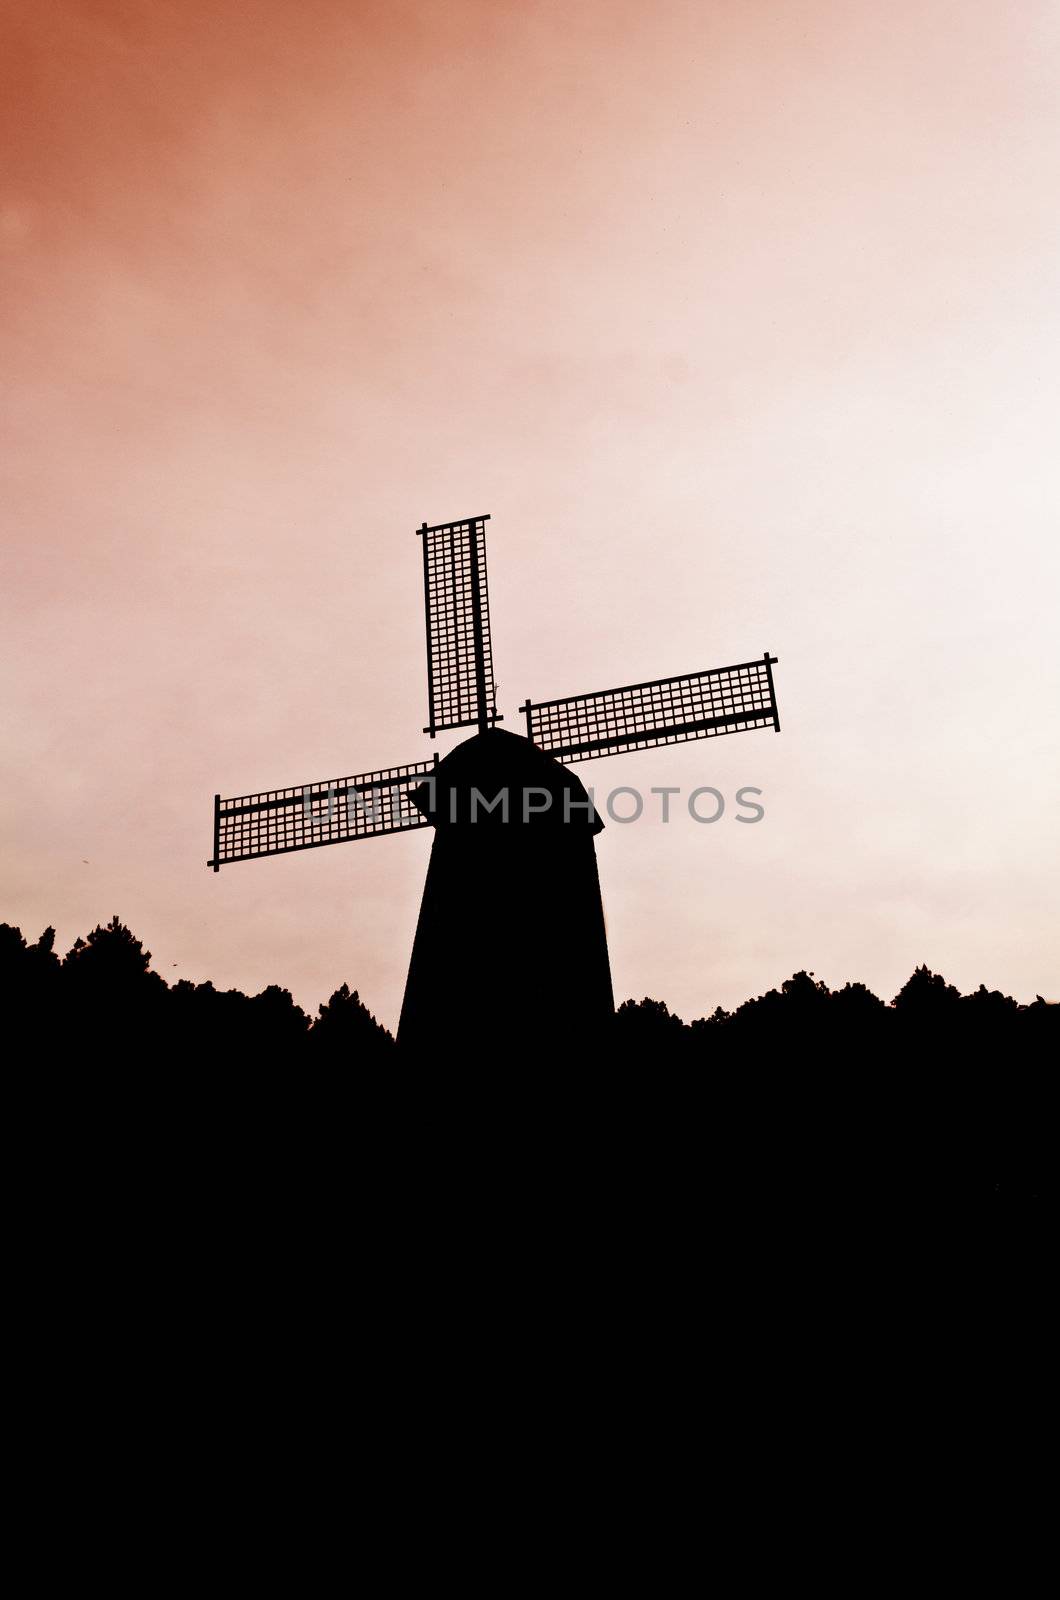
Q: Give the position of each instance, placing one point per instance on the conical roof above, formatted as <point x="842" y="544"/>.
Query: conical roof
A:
<point x="484" y="769"/>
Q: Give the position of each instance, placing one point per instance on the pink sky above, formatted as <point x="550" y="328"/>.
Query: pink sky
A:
<point x="739" y="318"/>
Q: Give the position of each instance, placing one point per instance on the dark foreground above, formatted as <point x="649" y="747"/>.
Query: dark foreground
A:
<point x="826" y="1117"/>
<point x="779" y="1281"/>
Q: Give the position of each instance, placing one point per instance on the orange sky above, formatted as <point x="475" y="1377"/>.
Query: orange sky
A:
<point x="739" y="317"/>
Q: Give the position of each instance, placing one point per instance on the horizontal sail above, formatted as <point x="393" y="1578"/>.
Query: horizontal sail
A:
<point x="665" y="711"/>
<point x="308" y="815"/>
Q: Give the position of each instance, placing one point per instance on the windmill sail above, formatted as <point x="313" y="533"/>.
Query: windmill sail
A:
<point x="306" y="816"/>
<point x="460" y="687"/>
<point x="665" y="711"/>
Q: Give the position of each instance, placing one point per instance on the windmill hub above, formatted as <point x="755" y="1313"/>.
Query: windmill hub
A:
<point x="499" y="779"/>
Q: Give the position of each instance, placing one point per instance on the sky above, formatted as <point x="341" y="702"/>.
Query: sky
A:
<point x="741" y="319"/>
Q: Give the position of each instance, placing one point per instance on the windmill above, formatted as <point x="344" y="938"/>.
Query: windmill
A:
<point x="510" y="947"/>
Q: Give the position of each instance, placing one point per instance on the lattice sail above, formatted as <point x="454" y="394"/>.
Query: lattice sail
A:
<point x="460" y="687"/>
<point x="309" y="815"/>
<point x="665" y="711"/>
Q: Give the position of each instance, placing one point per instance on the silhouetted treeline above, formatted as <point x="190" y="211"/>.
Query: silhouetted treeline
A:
<point x="803" y="1101"/>
<point x="103" y="996"/>
<point x="105" y="984"/>
<point x="834" y="1095"/>
<point x="806" y="1022"/>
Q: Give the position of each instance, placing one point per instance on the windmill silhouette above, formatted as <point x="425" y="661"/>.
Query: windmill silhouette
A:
<point x="510" y="949"/>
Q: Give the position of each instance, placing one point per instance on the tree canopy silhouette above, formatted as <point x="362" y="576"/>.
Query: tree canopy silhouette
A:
<point x="799" y="1090"/>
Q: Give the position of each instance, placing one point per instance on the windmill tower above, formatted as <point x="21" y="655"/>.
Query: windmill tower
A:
<point x="510" y="952"/>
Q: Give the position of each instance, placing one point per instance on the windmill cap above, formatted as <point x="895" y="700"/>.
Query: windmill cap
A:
<point x="472" y="778"/>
